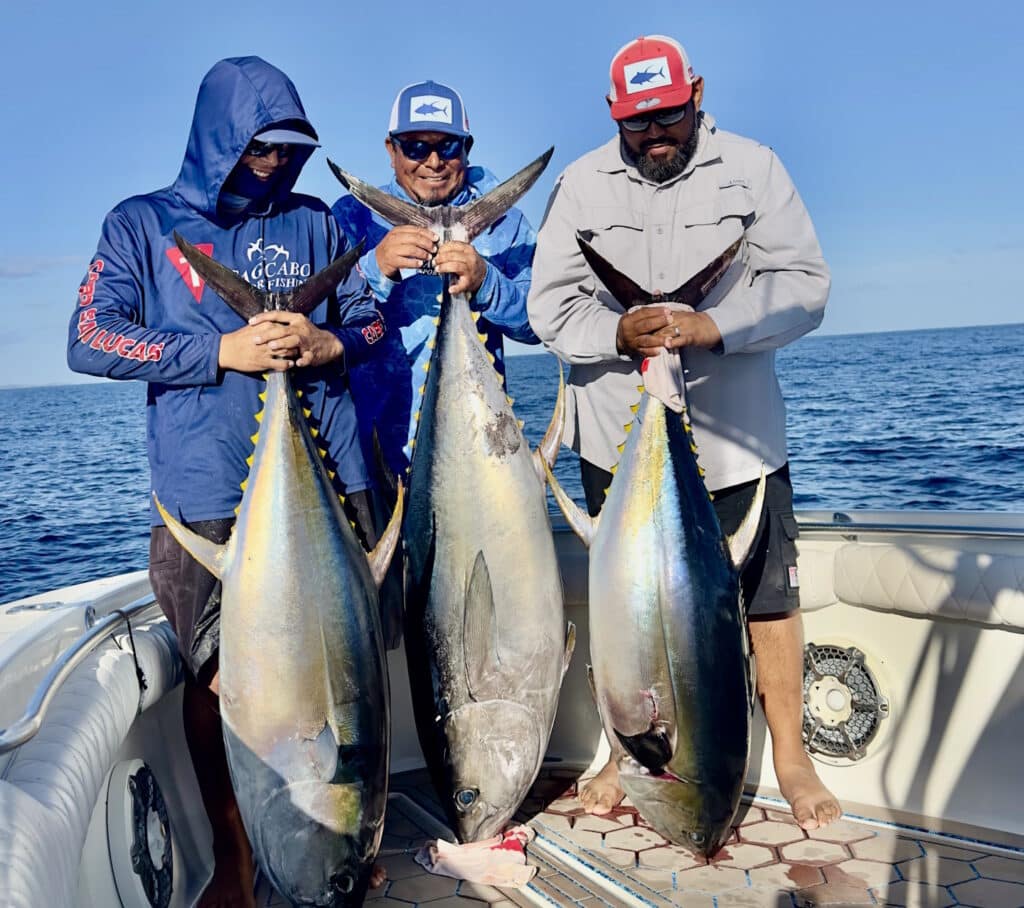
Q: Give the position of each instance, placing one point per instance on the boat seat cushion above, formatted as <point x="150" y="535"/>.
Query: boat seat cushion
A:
<point x="933" y="581"/>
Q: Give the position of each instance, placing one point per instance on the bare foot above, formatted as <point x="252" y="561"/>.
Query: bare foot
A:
<point x="603" y="792"/>
<point x="378" y="876"/>
<point x="231" y="886"/>
<point x="813" y="805"/>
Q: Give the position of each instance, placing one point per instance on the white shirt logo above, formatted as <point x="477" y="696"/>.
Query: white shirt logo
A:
<point x="647" y="74"/>
<point x="430" y="108"/>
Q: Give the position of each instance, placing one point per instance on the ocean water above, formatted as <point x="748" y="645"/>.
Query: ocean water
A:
<point x="929" y="420"/>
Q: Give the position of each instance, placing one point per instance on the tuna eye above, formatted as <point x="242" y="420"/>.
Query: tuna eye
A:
<point x="344" y="883"/>
<point x="466" y="798"/>
<point x="697" y="838"/>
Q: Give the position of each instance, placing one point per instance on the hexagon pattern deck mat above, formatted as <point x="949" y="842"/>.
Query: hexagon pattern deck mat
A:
<point x="768" y="862"/>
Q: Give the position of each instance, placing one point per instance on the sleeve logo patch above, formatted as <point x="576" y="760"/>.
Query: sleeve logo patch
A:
<point x="188" y="274"/>
<point x="373" y="332"/>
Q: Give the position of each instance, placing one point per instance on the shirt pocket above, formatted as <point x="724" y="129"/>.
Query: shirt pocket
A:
<point x="731" y="210"/>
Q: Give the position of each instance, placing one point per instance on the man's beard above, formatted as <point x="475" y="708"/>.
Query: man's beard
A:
<point x="661" y="170"/>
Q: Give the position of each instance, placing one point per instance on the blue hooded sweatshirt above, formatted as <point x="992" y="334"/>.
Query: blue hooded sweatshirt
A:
<point x="143" y="313"/>
<point x="387" y="389"/>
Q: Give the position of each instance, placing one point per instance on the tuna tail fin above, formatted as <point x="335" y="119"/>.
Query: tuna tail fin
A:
<point x="629" y="293"/>
<point x="380" y="557"/>
<point x="547" y="450"/>
<point x="247" y="301"/>
<point x="395" y="211"/>
<point x="478" y="215"/>
<point x="475" y="217"/>
<point x="306" y="297"/>
<point x="240" y="295"/>
<point x="583" y="525"/>
<point x="742" y="541"/>
<point x="624" y="289"/>
<point x="209" y="554"/>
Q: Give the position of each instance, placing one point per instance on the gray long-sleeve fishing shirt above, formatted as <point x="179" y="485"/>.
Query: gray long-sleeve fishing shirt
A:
<point x="660" y="235"/>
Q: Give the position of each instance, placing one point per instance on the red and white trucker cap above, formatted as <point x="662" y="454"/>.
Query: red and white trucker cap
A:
<point x="649" y="73"/>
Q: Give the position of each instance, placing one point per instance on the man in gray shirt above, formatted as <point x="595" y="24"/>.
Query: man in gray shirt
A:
<point x="660" y="201"/>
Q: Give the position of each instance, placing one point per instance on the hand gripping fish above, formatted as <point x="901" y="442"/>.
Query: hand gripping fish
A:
<point x="668" y="638"/>
<point x="303" y="676"/>
<point x="485" y="633"/>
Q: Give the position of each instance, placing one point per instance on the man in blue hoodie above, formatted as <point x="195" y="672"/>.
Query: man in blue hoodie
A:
<point x="143" y="313"/>
<point x="428" y="142"/>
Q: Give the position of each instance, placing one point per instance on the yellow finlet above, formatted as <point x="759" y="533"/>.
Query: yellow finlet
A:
<point x="613" y="471"/>
<point x="522" y="422"/>
<point x="331" y="474"/>
<point x="243" y="483"/>
<point x="482" y="338"/>
<point x="640" y="388"/>
<point x="314" y="432"/>
<point x="263" y="396"/>
<point x="426" y="367"/>
<point x="437" y="321"/>
<point x="341" y="498"/>
<point x="322" y="452"/>
<point x="307" y="413"/>
<point x="490" y="356"/>
<point x="417" y="417"/>
<point x="511" y="400"/>
<point x="254" y="438"/>
<point x="440" y="299"/>
<point x="430" y="345"/>
<point x="423" y="390"/>
<point x="628" y="427"/>
<point x="621" y="448"/>
<point x="298" y="394"/>
<point x="248" y="460"/>
<point x="476" y="316"/>
<point x="635" y="408"/>
<point x="239" y="508"/>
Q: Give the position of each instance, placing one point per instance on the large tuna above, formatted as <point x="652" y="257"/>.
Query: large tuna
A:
<point x="668" y="637"/>
<point x="485" y="634"/>
<point x="303" y="677"/>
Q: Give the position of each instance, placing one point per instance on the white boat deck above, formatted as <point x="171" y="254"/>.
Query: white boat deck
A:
<point x="769" y="862"/>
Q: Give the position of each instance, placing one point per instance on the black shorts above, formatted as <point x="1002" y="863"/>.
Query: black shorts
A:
<point x="769" y="580"/>
<point x="188" y="594"/>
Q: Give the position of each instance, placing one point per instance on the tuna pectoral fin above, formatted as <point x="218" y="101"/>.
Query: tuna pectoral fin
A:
<point x="742" y="541"/>
<point x="570" y="646"/>
<point x="547" y="450"/>
<point x="582" y="524"/>
<point x="484" y="674"/>
<point x="652" y="749"/>
<point x="209" y="554"/>
<point x="380" y="557"/>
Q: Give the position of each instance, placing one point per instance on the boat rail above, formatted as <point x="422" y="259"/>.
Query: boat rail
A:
<point x="27" y="727"/>
<point x="845" y="525"/>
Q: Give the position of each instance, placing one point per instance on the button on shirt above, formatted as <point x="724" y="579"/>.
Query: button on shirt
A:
<point x="660" y="235"/>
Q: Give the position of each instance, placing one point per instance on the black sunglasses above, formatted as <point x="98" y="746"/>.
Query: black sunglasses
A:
<point x="258" y="149"/>
<point x="668" y="118"/>
<point x="417" y="150"/>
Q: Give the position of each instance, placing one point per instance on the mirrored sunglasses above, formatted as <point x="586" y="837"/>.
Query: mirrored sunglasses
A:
<point x="418" y="150"/>
<point x="668" y="118"/>
<point x="258" y="149"/>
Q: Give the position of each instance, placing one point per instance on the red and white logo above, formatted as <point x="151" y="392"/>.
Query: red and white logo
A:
<point x="188" y="274"/>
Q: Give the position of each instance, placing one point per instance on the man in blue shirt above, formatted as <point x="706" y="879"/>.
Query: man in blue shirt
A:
<point x="144" y="313"/>
<point x="429" y="142"/>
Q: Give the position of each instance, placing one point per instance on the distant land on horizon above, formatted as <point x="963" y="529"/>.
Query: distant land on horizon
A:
<point x="514" y="348"/>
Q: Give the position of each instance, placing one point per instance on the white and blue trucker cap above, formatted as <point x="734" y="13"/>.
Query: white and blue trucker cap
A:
<point x="428" y="107"/>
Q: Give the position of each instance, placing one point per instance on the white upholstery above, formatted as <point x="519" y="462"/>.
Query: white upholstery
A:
<point x="49" y="788"/>
<point x="933" y="581"/>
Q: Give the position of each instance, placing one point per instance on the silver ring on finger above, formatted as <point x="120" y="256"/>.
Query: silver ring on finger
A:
<point x="677" y="330"/>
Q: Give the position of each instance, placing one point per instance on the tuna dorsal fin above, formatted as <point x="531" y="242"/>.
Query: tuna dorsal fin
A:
<point x="239" y="294"/>
<point x="547" y="450"/>
<point x="389" y="481"/>
<point x="624" y="289"/>
<point x="210" y="555"/>
<point x="380" y="557"/>
<point x="742" y="541"/>
<point x="570" y="645"/>
<point x="478" y="215"/>
<point x="592" y="682"/>
<point x="394" y="211"/>
<point x="583" y="525"/>
<point x="480" y="635"/>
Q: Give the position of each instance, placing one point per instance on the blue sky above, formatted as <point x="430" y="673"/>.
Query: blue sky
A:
<point x="901" y="124"/>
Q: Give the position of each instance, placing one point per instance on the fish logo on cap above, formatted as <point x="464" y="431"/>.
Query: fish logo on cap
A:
<point x="430" y="108"/>
<point x="647" y="74"/>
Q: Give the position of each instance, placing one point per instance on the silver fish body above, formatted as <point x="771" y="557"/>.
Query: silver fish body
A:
<point x="668" y="638"/>
<point x="303" y="677"/>
<point x="485" y="627"/>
